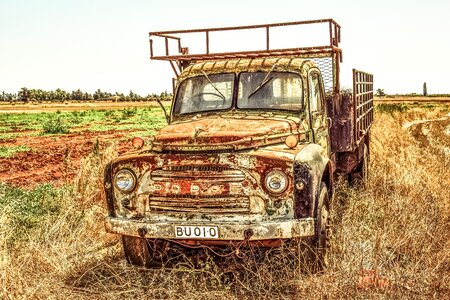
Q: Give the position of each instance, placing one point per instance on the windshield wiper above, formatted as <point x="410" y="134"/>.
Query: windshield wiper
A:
<point x="265" y="81"/>
<point x="212" y="84"/>
<point x="260" y="86"/>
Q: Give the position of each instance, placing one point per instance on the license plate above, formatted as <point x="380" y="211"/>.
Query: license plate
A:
<point x="197" y="232"/>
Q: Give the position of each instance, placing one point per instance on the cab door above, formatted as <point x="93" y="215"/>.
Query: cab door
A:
<point x="317" y="111"/>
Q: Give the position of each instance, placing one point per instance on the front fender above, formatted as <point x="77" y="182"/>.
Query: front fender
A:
<point x="309" y="166"/>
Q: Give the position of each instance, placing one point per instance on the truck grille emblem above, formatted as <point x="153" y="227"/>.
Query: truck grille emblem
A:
<point x="213" y="159"/>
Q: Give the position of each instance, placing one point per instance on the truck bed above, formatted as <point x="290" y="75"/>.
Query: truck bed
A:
<point x="351" y="113"/>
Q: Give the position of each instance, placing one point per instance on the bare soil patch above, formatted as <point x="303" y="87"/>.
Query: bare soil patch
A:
<point x="55" y="159"/>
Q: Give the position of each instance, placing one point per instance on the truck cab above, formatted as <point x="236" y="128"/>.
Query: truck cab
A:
<point x="248" y="157"/>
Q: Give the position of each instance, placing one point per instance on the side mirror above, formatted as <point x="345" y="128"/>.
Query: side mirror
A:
<point x="164" y="110"/>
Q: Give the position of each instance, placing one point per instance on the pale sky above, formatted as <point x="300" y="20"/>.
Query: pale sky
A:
<point x="90" y="44"/>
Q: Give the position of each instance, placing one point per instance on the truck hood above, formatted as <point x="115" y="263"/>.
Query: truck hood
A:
<point x="225" y="132"/>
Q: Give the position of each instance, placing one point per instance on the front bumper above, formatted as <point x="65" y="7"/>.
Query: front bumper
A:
<point x="228" y="231"/>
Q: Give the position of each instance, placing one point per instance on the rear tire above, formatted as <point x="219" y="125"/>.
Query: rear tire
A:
<point x="361" y="174"/>
<point x="143" y="252"/>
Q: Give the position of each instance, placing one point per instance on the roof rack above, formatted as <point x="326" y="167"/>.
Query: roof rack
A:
<point x="179" y="57"/>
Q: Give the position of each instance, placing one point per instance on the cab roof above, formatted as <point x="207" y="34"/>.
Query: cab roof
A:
<point x="293" y="65"/>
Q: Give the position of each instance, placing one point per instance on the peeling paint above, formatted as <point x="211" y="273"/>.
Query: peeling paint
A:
<point x="228" y="231"/>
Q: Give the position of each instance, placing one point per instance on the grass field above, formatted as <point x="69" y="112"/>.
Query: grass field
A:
<point x="391" y="240"/>
<point x="145" y="119"/>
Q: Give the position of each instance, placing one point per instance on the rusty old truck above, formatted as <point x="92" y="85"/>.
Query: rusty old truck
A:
<point x="250" y="154"/>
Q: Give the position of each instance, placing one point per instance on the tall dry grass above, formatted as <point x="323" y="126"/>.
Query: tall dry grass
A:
<point x="391" y="240"/>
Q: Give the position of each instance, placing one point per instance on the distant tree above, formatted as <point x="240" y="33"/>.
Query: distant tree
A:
<point x="50" y="95"/>
<point x="425" y="92"/>
<point x="42" y="95"/>
<point x="164" y="94"/>
<point x="24" y="94"/>
<point x="60" y="95"/>
<point x="120" y="96"/>
<point x="9" y="97"/>
<point x="87" y="96"/>
<point x="107" y="95"/>
<point x="38" y="95"/>
<point x="77" y="95"/>
<point x="380" y="93"/>
<point x="98" y="95"/>
<point x="6" y="96"/>
<point x="131" y="96"/>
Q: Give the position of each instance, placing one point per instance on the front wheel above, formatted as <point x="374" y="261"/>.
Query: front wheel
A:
<point x="321" y="242"/>
<point x="143" y="252"/>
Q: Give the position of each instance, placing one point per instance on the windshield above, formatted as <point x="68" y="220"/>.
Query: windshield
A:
<point x="205" y="93"/>
<point x="273" y="90"/>
<point x="257" y="90"/>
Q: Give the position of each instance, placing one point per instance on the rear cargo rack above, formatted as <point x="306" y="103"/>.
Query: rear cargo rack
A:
<point x="170" y="47"/>
<point x="363" y="97"/>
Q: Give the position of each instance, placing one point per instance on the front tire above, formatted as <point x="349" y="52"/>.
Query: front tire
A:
<point x="321" y="242"/>
<point x="143" y="252"/>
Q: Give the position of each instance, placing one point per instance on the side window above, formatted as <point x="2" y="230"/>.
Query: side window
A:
<point x="315" y="97"/>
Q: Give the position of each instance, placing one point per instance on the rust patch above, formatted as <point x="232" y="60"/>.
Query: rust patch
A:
<point x="226" y="132"/>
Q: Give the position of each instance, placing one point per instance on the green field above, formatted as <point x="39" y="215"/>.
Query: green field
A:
<point x="132" y="118"/>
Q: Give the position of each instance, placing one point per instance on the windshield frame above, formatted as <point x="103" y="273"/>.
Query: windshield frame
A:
<point x="235" y="93"/>
<point x="178" y="99"/>
<point x="263" y="83"/>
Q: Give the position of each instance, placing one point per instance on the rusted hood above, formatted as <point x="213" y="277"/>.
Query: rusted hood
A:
<point x="225" y="132"/>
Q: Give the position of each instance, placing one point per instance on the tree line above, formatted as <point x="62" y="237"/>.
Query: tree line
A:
<point x="59" y="95"/>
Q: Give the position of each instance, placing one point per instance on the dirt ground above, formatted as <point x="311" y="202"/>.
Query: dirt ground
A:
<point x="412" y="100"/>
<point x="54" y="159"/>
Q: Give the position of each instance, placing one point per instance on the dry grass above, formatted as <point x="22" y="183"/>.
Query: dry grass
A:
<point x="391" y="241"/>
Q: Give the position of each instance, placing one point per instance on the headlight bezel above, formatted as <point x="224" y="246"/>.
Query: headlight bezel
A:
<point x="133" y="183"/>
<point x="272" y="176"/>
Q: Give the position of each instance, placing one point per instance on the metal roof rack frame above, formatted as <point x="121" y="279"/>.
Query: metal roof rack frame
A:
<point x="182" y="58"/>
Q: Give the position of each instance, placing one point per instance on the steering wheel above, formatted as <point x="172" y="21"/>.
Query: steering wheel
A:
<point x="197" y="98"/>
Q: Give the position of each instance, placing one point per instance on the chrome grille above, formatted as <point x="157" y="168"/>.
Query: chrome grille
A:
<point x="198" y="173"/>
<point x="203" y="204"/>
<point x="205" y="177"/>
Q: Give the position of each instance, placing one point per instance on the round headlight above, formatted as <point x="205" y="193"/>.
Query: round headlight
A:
<point x="291" y="141"/>
<point x="276" y="182"/>
<point x="125" y="180"/>
<point x="137" y="142"/>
